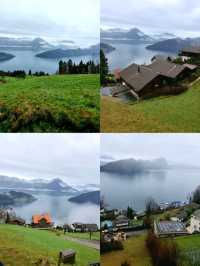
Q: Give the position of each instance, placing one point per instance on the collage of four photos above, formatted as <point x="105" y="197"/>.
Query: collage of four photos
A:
<point x="99" y="133"/>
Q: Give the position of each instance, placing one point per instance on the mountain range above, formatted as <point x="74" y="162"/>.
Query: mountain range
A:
<point x="21" y="44"/>
<point x="91" y="197"/>
<point x="118" y="35"/>
<point x="133" y="35"/>
<point x="35" y="184"/>
<point x="132" y="166"/>
<point x="60" y="53"/>
<point x="174" y="45"/>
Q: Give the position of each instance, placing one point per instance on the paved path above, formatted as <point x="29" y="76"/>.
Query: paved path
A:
<point x="89" y="243"/>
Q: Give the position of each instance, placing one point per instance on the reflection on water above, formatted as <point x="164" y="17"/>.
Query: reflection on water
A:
<point x="61" y="210"/>
<point x="126" y="54"/>
<point x="165" y="186"/>
<point x="27" y="60"/>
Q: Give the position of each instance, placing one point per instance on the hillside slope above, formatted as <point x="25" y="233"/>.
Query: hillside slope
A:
<point x="165" y="114"/>
<point x="24" y="246"/>
<point x="59" y="103"/>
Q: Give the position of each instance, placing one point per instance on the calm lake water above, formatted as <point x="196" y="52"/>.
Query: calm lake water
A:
<point x="61" y="210"/>
<point x="125" y="54"/>
<point x="164" y="186"/>
<point x="26" y="60"/>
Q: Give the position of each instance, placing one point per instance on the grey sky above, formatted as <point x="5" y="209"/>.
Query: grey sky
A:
<point x="181" y="17"/>
<point x="72" y="157"/>
<point x="75" y="20"/>
<point x="180" y="148"/>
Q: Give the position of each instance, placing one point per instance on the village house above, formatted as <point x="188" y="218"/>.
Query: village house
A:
<point x="81" y="227"/>
<point x="91" y="227"/>
<point x="42" y="221"/>
<point x="3" y="216"/>
<point x="9" y="216"/>
<point x="169" y="229"/>
<point x="121" y="222"/>
<point x="194" y="222"/>
<point x="188" y="53"/>
<point x="143" y="80"/>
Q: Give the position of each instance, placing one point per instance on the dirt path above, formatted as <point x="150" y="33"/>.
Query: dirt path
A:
<point x="89" y="243"/>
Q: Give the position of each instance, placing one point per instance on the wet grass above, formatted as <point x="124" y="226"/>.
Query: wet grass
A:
<point x="179" y="113"/>
<point x="59" y="103"/>
<point x="20" y="246"/>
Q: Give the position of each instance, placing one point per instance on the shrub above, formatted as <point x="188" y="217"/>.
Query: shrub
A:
<point x="163" y="252"/>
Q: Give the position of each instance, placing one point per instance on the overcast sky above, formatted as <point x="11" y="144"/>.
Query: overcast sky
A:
<point x="181" y="17"/>
<point x="72" y="157"/>
<point x="75" y="20"/>
<point x="180" y="148"/>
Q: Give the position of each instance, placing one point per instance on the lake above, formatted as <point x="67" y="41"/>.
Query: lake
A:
<point x="26" y="60"/>
<point x="125" y="54"/>
<point x="61" y="210"/>
<point x="164" y="186"/>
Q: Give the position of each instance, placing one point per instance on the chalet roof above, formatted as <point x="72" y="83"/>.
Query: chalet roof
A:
<point x="166" y="68"/>
<point x="138" y="76"/>
<point x="193" y="50"/>
<point x="37" y="218"/>
<point x="167" y="227"/>
<point x="190" y="66"/>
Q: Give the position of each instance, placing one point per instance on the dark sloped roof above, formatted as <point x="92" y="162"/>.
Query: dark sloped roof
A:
<point x="190" y="66"/>
<point x="138" y="76"/>
<point x="166" y="68"/>
<point x="194" y="50"/>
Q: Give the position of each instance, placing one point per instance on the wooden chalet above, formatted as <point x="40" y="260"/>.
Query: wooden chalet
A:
<point x="143" y="80"/>
<point x="42" y="221"/>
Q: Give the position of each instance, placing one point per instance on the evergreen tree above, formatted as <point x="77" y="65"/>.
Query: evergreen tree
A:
<point x="103" y="68"/>
<point x="30" y="73"/>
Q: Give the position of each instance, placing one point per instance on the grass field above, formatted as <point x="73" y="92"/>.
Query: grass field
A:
<point x="188" y="242"/>
<point x="21" y="246"/>
<point x="59" y="103"/>
<point x="179" y="113"/>
<point x="134" y="252"/>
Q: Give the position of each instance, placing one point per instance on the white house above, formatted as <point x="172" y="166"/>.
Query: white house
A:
<point x="194" y="222"/>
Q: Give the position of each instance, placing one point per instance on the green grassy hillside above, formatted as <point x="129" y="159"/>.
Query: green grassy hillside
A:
<point x="20" y="246"/>
<point x="59" y="103"/>
<point x="179" y="113"/>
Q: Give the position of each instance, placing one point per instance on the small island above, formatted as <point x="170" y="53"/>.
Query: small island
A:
<point x="5" y="57"/>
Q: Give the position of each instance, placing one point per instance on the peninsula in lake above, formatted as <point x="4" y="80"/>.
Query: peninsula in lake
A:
<point x="133" y="166"/>
<point x="91" y="197"/>
<point x="14" y="198"/>
<point x="5" y="56"/>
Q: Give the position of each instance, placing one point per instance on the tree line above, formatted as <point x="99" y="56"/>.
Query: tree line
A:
<point x="70" y="67"/>
<point x="21" y="73"/>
